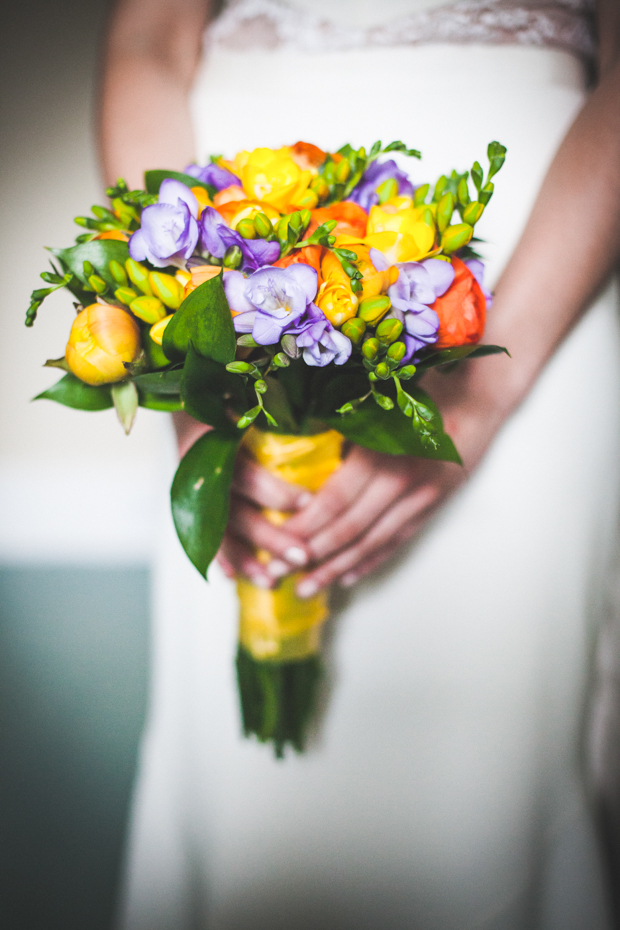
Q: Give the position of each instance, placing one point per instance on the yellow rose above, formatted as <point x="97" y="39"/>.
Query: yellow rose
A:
<point x="335" y="297"/>
<point x="271" y="175"/>
<point x="400" y="230"/>
<point x="103" y="337"/>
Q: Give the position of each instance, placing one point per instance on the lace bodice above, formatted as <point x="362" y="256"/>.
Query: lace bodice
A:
<point x="565" y="24"/>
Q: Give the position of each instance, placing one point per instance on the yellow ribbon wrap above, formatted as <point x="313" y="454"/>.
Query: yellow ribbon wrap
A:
<point x="275" y="624"/>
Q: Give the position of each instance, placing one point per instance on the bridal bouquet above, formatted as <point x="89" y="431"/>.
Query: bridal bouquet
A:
<point x="291" y="299"/>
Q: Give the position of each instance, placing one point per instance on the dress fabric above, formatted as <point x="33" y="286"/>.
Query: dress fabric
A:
<point x="443" y="789"/>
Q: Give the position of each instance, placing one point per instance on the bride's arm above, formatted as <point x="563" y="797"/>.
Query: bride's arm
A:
<point x="570" y="244"/>
<point x="151" y="53"/>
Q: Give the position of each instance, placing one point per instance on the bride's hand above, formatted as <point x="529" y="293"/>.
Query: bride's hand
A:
<point x="373" y="504"/>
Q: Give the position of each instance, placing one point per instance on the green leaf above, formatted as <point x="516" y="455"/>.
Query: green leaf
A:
<point x="200" y="496"/>
<point x="390" y="431"/>
<point x="99" y="252"/>
<point x="72" y="392"/>
<point x="204" y="320"/>
<point x="160" y="382"/>
<point x="277" y="405"/>
<point x="168" y="403"/>
<point x="153" y="179"/>
<point x="457" y="354"/>
<point x="207" y="389"/>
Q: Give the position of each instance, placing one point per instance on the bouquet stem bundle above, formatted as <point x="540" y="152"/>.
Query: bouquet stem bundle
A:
<point x="278" y="662"/>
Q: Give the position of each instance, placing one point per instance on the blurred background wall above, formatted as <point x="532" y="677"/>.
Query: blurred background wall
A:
<point x="76" y="512"/>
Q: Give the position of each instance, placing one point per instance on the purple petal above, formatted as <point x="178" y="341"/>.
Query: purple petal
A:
<point x="244" y="322"/>
<point x="441" y="274"/>
<point x="268" y="329"/>
<point x="235" y="289"/>
<point x="259" y="252"/>
<point x="378" y="259"/>
<point x="306" y="277"/>
<point x="213" y="174"/>
<point x="172" y="191"/>
<point x="211" y="227"/>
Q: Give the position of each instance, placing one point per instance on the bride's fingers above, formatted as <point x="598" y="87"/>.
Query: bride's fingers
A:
<point x="248" y="524"/>
<point x="338" y="492"/>
<point x="400" y="521"/>
<point x="237" y="558"/>
<point x="379" y="498"/>
<point x="255" y="483"/>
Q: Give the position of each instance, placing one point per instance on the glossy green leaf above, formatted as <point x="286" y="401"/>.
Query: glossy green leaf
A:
<point x="457" y="354"/>
<point x="200" y="495"/>
<point x="205" y="321"/>
<point x="99" y="252"/>
<point x="168" y="403"/>
<point x="72" y="392"/>
<point x="276" y="404"/>
<point x="153" y="179"/>
<point x="160" y="382"/>
<point x="390" y="431"/>
<point x="208" y="390"/>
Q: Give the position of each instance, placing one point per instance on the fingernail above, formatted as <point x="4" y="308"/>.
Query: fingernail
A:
<point x="296" y="555"/>
<point x="277" y="568"/>
<point x="347" y="581"/>
<point x="307" y="588"/>
<point x="304" y="499"/>
<point x="259" y="581"/>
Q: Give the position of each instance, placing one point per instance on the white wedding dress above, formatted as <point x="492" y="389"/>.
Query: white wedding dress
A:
<point x="444" y="787"/>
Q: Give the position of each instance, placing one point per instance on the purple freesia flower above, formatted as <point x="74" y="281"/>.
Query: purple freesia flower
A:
<point x="320" y="342"/>
<point x="168" y="229"/>
<point x="365" y="192"/>
<point x="477" y="269"/>
<point x="418" y="287"/>
<point x="271" y="300"/>
<point x="216" y="237"/>
<point x="214" y="175"/>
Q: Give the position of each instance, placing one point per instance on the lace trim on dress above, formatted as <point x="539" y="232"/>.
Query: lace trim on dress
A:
<point x="269" y="24"/>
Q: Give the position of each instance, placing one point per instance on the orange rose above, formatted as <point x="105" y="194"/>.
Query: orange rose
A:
<point x="350" y="218"/>
<point x="308" y="157"/>
<point x="310" y="255"/>
<point x="461" y="310"/>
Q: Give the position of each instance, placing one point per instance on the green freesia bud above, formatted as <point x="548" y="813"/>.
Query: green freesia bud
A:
<point x="138" y="275"/>
<point x="126" y="295"/>
<point x="472" y="212"/>
<point x="88" y="268"/>
<point x="118" y="273"/>
<point x="420" y="195"/>
<point x="295" y="222"/>
<point x="167" y="288"/>
<point x="386" y="403"/>
<point x="247" y="229"/>
<point x="260" y="386"/>
<point x="406" y="372"/>
<point x="388" y="331"/>
<point x="149" y="309"/>
<point x="262" y="225"/>
<point x="282" y="229"/>
<point x="125" y="211"/>
<point x="343" y="170"/>
<point x="397" y="351"/>
<point x="346" y="408"/>
<point x="373" y="308"/>
<point x="462" y="192"/>
<point x="233" y="257"/>
<point x="370" y="349"/>
<point x="239" y="368"/>
<point x="383" y="371"/>
<point x="329" y="171"/>
<point x="387" y="190"/>
<point x="445" y="209"/>
<point x="354" y="330"/>
<point x="306" y="216"/>
<point x="249" y="417"/>
<point x="486" y="193"/>
<point x="281" y="360"/>
<point x="440" y="187"/>
<point x="477" y="174"/>
<point x="98" y="284"/>
<point x="214" y="260"/>
<point x="455" y="237"/>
